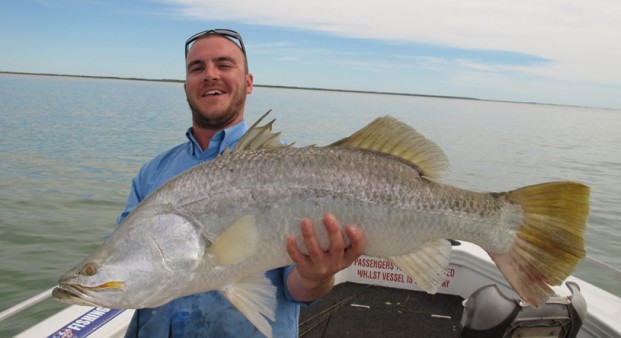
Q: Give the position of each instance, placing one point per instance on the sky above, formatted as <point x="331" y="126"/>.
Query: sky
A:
<point x="564" y="52"/>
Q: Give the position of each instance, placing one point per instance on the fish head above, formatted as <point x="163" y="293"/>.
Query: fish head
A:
<point x="146" y="262"/>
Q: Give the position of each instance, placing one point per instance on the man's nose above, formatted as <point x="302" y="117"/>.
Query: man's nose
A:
<point x="211" y="72"/>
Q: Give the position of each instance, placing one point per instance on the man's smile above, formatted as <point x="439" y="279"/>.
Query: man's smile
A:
<point x="212" y="93"/>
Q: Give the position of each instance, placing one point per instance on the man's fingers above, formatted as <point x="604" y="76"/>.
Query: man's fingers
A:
<point x="356" y="239"/>
<point x="310" y="239"/>
<point x="337" y="243"/>
<point x="293" y="251"/>
<point x="330" y="222"/>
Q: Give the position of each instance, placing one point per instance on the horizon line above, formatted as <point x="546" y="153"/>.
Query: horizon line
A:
<point x="294" y="87"/>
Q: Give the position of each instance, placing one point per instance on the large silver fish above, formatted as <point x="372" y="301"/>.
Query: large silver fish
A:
<point x="221" y="225"/>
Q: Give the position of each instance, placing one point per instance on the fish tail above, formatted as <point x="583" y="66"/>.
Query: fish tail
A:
<point x="549" y="241"/>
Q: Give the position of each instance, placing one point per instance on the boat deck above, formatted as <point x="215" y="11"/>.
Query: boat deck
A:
<point x="358" y="310"/>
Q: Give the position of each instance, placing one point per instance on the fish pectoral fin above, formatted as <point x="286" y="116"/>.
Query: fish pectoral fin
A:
<point x="427" y="264"/>
<point x="255" y="297"/>
<point x="237" y="243"/>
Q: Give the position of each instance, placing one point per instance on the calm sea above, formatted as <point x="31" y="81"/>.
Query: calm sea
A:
<point x="70" y="147"/>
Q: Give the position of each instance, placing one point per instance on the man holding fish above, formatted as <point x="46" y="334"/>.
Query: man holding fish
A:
<point x="216" y="85"/>
<point x="233" y="224"/>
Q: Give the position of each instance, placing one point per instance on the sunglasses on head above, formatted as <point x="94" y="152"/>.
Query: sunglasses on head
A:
<point x="230" y="34"/>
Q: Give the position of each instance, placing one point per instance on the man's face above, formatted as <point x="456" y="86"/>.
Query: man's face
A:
<point x="216" y="82"/>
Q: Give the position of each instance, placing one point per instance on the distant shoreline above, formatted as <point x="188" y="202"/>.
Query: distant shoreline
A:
<point x="285" y="87"/>
<point x="256" y="85"/>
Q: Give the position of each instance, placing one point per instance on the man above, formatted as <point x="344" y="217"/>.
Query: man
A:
<point x="217" y="83"/>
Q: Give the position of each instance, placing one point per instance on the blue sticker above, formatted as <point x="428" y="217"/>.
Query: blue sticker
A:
<point x="87" y="323"/>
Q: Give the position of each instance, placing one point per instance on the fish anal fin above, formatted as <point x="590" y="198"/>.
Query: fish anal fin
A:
<point x="237" y="243"/>
<point x="391" y="136"/>
<point x="258" y="137"/>
<point x="255" y="297"/>
<point x="427" y="265"/>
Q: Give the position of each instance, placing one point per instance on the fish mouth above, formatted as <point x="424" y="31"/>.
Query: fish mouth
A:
<point x="71" y="297"/>
<point x="81" y="295"/>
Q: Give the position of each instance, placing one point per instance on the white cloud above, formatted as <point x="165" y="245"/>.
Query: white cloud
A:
<point x="581" y="38"/>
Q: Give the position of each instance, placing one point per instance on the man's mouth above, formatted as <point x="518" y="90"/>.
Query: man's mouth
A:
<point x="212" y="93"/>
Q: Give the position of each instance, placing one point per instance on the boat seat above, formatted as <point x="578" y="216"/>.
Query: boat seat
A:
<point x="489" y="313"/>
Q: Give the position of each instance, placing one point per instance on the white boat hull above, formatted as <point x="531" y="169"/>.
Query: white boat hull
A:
<point x="470" y="269"/>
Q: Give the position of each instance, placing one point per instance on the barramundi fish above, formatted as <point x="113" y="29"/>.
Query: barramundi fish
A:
<point x="223" y="224"/>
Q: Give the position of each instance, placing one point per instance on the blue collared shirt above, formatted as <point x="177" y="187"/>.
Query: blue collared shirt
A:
<point x="207" y="314"/>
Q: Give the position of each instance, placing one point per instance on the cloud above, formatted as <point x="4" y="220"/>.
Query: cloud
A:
<point x="581" y="39"/>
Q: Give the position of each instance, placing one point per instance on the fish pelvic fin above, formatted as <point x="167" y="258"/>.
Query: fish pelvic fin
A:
<point x="391" y="136"/>
<point x="255" y="297"/>
<point x="237" y="243"/>
<point x="427" y="265"/>
<point x="258" y="137"/>
<point x="550" y="240"/>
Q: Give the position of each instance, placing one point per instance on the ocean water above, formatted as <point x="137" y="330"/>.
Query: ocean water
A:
<point x="70" y="147"/>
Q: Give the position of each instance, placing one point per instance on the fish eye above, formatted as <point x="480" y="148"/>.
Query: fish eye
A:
<point x="89" y="269"/>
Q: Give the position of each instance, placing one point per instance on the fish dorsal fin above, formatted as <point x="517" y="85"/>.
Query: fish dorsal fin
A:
<point x="258" y="137"/>
<point x="391" y="136"/>
<point x="255" y="297"/>
<point x="426" y="265"/>
<point x="237" y="243"/>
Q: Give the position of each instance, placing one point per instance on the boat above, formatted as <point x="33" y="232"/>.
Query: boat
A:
<point x="374" y="298"/>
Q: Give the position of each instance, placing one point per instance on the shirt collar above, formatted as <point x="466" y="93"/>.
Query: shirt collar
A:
<point x="226" y="138"/>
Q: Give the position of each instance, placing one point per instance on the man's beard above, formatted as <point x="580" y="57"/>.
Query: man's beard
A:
<point x="220" y="119"/>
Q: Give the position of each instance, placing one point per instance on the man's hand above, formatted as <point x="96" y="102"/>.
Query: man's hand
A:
<point x="313" y="276"/>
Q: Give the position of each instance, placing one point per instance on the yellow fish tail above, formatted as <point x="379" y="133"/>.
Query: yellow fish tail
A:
<point x="550" y="241"/>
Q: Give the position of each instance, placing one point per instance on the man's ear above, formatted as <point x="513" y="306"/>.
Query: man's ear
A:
<point x="249" y="83"/>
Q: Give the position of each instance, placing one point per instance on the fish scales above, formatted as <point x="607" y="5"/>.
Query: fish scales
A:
<point x="382" y="195"/>
<point x="221" y="225"/>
